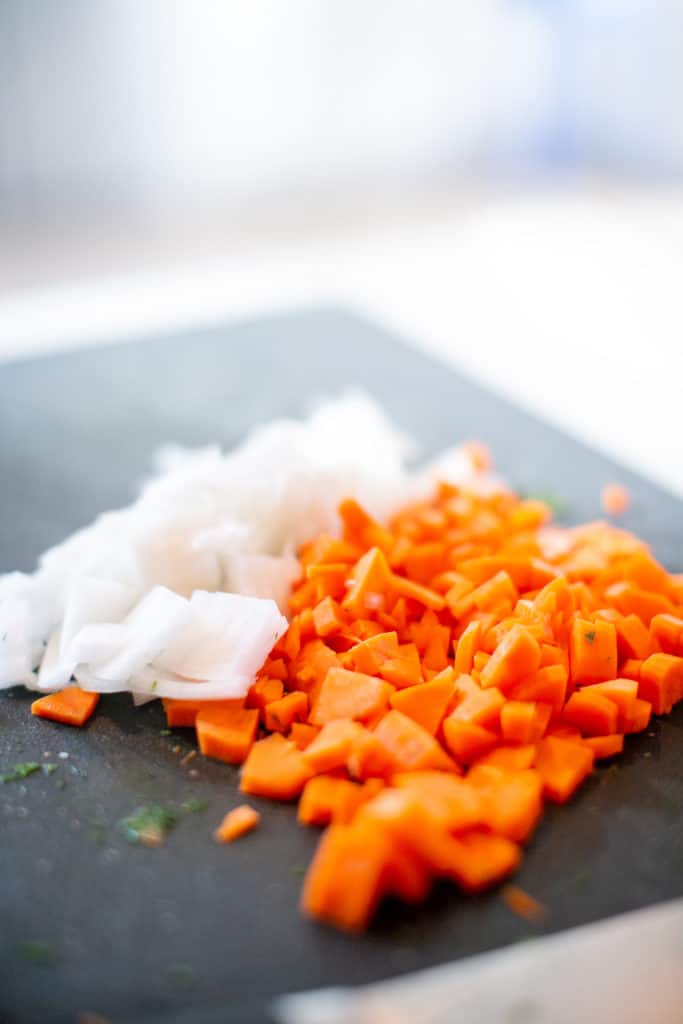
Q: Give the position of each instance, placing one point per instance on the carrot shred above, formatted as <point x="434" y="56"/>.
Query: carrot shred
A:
<point x="237" y="823"/>
<point x="70" y="706"/>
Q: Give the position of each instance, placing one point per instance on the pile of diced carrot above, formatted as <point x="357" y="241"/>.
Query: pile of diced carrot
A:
<point x="442" y="676"/>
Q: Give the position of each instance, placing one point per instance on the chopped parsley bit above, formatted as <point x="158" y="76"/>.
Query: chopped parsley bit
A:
<point x="49" y="768"/>
<point x="148" y="825"/>
<point x="165" y="732"/>
<point x="590" y="635"/>
<point x="181" y="976"/>
<point x="4" y="637"/>
<point x="39" y="953"/>
<point x="557" y="505"/>
<point x="194" y="806"/>
<point x="20" y="771"/>
<point x="154" y="685"/>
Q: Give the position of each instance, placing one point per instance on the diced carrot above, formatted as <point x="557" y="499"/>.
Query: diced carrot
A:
<point x="524" y="721"/>
<point x="275" y="768"/>
<point x="449" y="800"/>
<point x="622" y="692"/>
<point x="332" y="746"/>
<point x="606" y="746"/>
<point x="661" y="682"/>
<point x="345" y="694"/>
<point x="666" y="632"/>
<point x="237" y="823"/>
<point x="482" y="860"/>
<point x="70" y="706"/>
<point x="426" y="703"/>
<point x="183" y="713"/>
<point x="262" y="692"/>
<point x="615" y="499"/>
<point x="640" y="718"/>
<point x="592" y="713"/>
<point x="410" y="746"/>
<point x="370" y="577"/>
<point x="633" y="637"/>
<point x="633" y="600"/>
<point x="523" y="904"/>
<point x="467" y="741"/>
<point x="513" y="800"/>
<point x="631" y="668"/>
<point x="226" y="733"/>
<point x="280" y="714"/>
<point x="327" y="799"/>
<point x="563" y="765"/>
<point x="547" y="686"/>
<point x="510" y="758"/>
<point x="517" y="655"/>
<point x="327" y="618"/>
<point x="406" y="876"/>
<point x="347" y="876"/>
<point x="303" y="734"/>
<point x="466" y="648"/>
<point x="592" y="651"/>
<point x="472" y="704"/>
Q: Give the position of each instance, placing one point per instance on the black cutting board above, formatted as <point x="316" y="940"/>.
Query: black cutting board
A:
<point x="193" y="931"/>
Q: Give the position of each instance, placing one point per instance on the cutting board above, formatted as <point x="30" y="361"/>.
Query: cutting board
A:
<point x="194" y="932"/>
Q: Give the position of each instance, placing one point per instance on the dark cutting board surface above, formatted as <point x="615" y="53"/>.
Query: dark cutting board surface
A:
<point x="193" y="932"/>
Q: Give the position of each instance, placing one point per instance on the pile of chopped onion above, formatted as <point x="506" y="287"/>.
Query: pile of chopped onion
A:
<point x="182" y="593"/>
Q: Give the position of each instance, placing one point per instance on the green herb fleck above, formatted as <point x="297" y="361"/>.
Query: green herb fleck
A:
<point x="590" y="635"/>
<point x="39" y="953"/>
<point x="299" y="870"/>
<point x="148" y="825"/>
<point x="4" y="637"/>
<point x="557" y="505"/>
<point x="154" y="685"/>
<point x="194" y="806"/>
<point x="97" y="833"/>
<point x="20" y="771"/>
<point x="165" y="732"/>
<point x="181" y="976"/>
<point x="49" y="768"/>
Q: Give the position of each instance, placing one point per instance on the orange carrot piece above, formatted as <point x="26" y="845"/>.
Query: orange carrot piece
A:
<point x="615" y="499"/>
<point x="416" y="592"/>
<point x="183" y="713"/>
<point x="547" y="686"/>
<point x="409" y="745"/>
<point x="563" y="765"/>
<point x="280" y="715"/>
<point x="592" y="651"/>
<point x="426" y="703"/>
<point x="523" y="904"/>
<point x="226" y="733"/>
<point x="303" y="734"/>
<point x="631" y="668"/>
<point x="605" y="746"/>
<point x="472" y="704"/>
<point x="666" y="634"/>
<point x="622" y="692"/>
<point x="467" y="741"/>
<point x="510" y="758"/>
<point x="327" y="799"/>
<point x="592" y="713"/>
<point x="482" y="860"/>
<point x="262" y="692"/>
<point x="468" y="643"/>
<point x="237" y="823"/>
<point x="633" y="600"/>
<point x="70" y="706"/>
<point x="524" y="721"/>
<point x="449" y="800"/>
<point x="332" y="746"/>
<point x="275" y="768"/>
<point x="517" y="655"/>
<point x="513" y="800"/>
<point x="327" y="618"/>
<point x="661" y="682"/>
<point x="346" y="879"/>
<point x="370" y="576"/>
<point x="633" y="637"/>
<point x="345" y="694"/>
<point x="640" y="718"/>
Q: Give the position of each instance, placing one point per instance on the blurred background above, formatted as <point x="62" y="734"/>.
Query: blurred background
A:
<point x="499" y="179"/>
